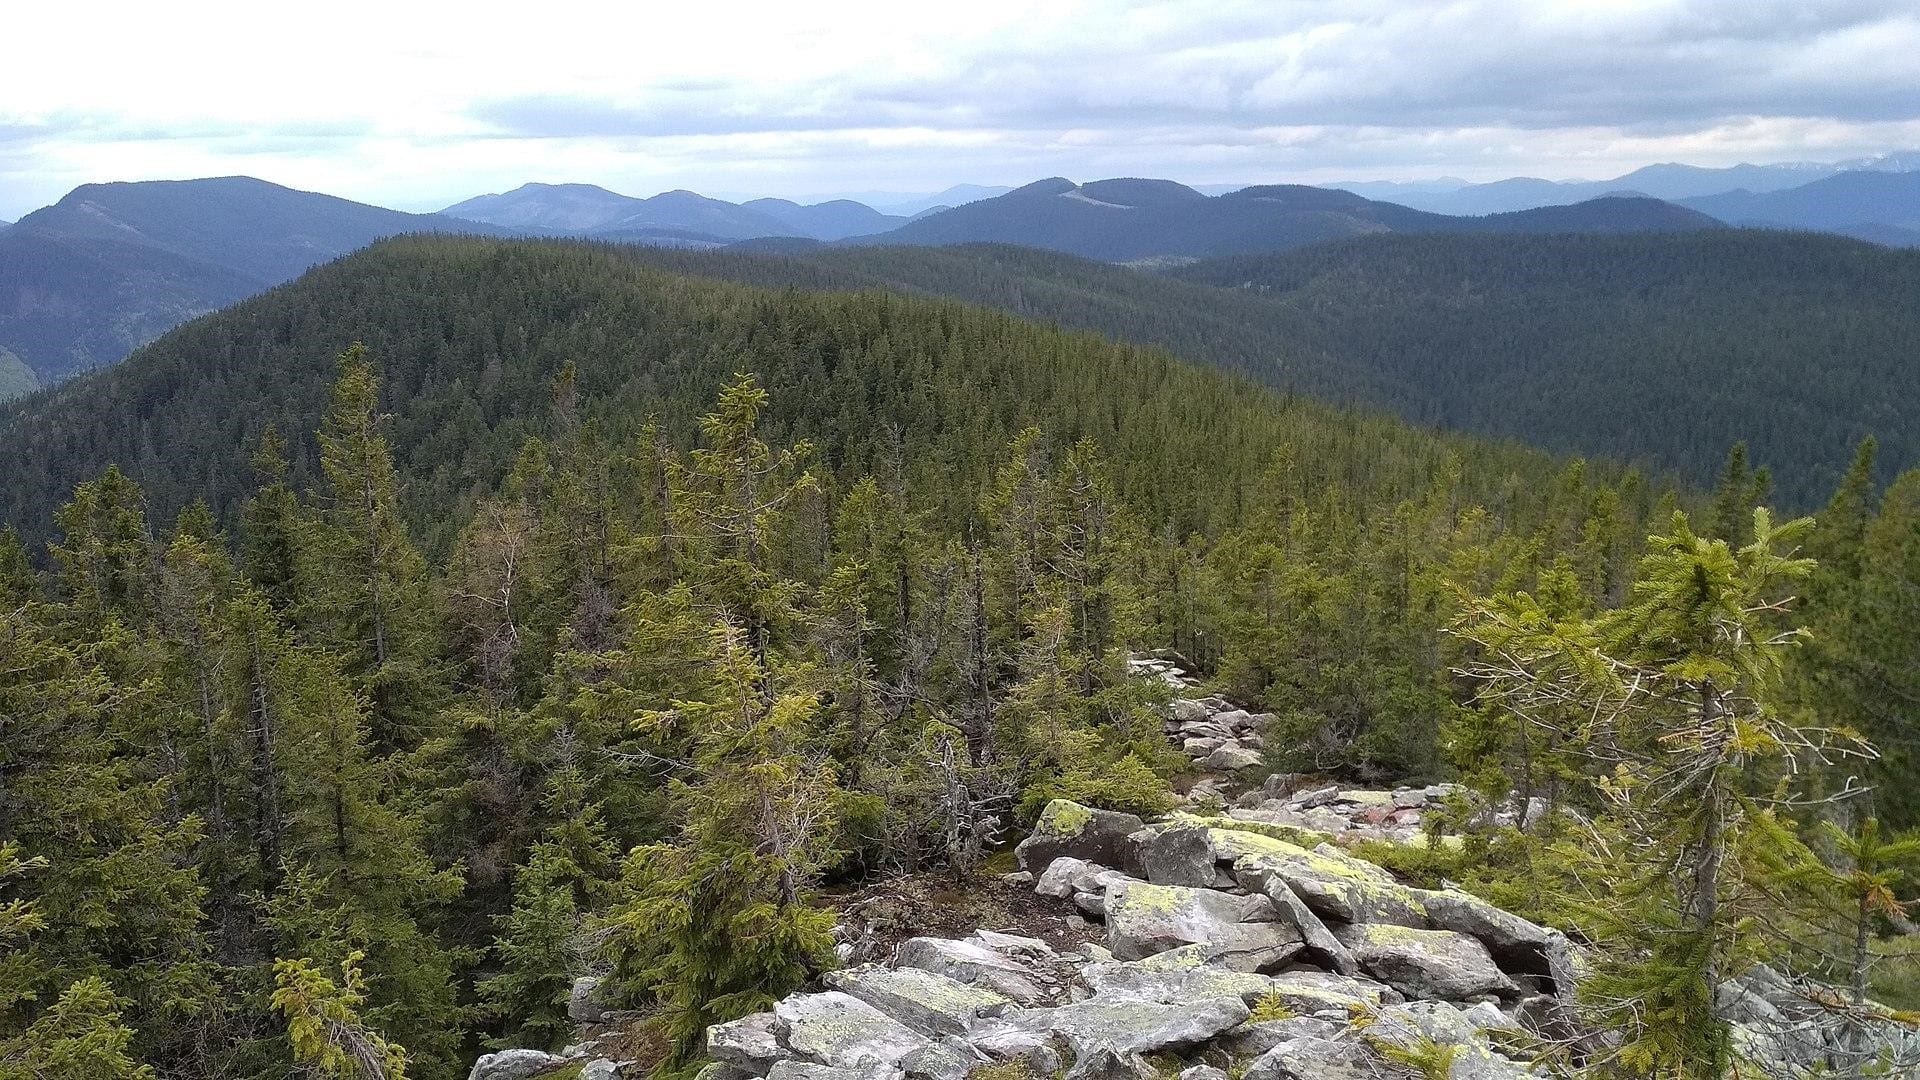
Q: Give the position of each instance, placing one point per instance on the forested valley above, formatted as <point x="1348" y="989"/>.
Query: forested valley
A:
<point x="382" y="654"/>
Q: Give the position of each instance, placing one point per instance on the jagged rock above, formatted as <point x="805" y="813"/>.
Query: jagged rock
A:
<point x="1410" y="798"/>
<point x="1509" y="937"/>
<point x="1142" y="1027"/>
<point x="976" y="965"/>
<point x="1294" y="912"/>
<point x="750" y="1043"/>
<point x="1018" y="879"/>
<point x="601" y="1069"/>
<point x="1199" y="746"/>
<point x="583" y="1007"/>
<point x="719" y="1070"/>
<point x="1307" y="800"/>
<point x="1034" y="1048"/>
<point x="1314" y="992"/>
<point x="928" y="1003"/>
<point x="1144" y="919"/>
<point x="1426" y="963"/>
<point x="1103" y="1063"/>
<point x="1202" y="1072"/>
<point x="1233" y="757"/>
<point x="1141" y="981"/>
<point x="1313" y="1058"/>
<point x="836" y="1028"/>
<point x="946" y="1058"/>
<point x="1252" y="1039"/>
<point x="1067" y="875"/>
<point x="1332" y="883"/>
<point x="1067" y="828"/>
<point x="514" y="1065"/>
<point x="1179" y="855"/>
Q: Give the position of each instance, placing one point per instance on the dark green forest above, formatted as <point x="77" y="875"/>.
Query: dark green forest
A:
<point x="385" y="651"/>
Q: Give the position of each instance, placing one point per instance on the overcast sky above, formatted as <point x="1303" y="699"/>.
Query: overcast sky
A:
<point x="417" y="106"/>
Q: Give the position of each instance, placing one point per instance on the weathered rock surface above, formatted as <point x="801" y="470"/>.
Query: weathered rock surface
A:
<point x="1143" y="919"/>
<point x="514" y="1065"/>
<point x="1067" y="828"/>
<point x="1141" y="1027"/>
<point x="1316" y="1059"/>
<point x="975" y="965"/>
<point x="929" y="1003"/>
<point x="1426" y="963"/>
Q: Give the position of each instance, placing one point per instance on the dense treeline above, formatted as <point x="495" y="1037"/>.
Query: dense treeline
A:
<point x="1662" y="348"/>
<point x="369" y="763"/>
<point x="473" y="330"/>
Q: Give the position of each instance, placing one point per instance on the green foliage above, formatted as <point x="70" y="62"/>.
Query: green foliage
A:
<point x="324" y="1025"/>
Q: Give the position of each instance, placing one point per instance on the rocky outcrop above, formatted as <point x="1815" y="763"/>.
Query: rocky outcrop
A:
<point x="1082" y="832"/>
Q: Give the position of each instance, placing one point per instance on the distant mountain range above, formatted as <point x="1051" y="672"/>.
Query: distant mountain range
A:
<point x="111" y="266"/>
<point x="1666" y="181"/>
<point x="1143" y="220"/>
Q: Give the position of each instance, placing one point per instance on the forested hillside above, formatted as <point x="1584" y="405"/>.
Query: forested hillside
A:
<point x="473" y="330"/>
<point x="470" y="615"/>
<point x="1665" y="349"/>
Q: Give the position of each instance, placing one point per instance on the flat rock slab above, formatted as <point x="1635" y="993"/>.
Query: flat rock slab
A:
<point x="927" y="1002"/>
<point x="1434" y="964"/>
<point x="1144" y="919"/>
<point x="974" y="964"/>
<point x="838" y="1029"/>
<point x="1067" y="828"/>
<point x="1312" y="993"/>
<point x="1141" y="1027"/>
<point x="1139" y="981"/>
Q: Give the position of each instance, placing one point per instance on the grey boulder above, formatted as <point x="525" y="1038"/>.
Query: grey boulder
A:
<point x="838" y="1029"/>
<point x="514" y="1065"/>
<point x="751" y="1043"/>
<point x="1141" y="1027"/>
<point x="1314" y="1058"/>
<point x="1144" y="919"/>
<point x="1068" y="828"/>
<point x="975" y="965"/>
<point x="1426" y="963"/>
<point x="929" y="1003"/>
<point x="1179" y="855"/>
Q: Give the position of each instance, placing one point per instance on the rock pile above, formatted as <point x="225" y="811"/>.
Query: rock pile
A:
<point x="1216" y="734"/>
<point x="1225" y="949"/>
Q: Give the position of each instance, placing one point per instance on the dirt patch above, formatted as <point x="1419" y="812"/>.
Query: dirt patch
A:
<point x="877" y="917"/>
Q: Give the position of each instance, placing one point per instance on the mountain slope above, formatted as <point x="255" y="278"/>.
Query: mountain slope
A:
<point x="471" y="332"/>
<point x="557" y="207"/>
<point x="16" y="378"/>
<point x="837" y="219"/>
<point x="1661" y="347"/>
<point x="1847" y="200"/>
<point x="1130" y="219"/>
<point x="111" y="266"/>
<point x="1664" y="181"/>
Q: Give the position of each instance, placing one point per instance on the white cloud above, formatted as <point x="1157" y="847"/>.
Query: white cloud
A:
<point x="420" y="104"/>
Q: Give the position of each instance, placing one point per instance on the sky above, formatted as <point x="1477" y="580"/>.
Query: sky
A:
<point x="419" y="105"/>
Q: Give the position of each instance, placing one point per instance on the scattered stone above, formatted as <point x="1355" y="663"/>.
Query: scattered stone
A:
<point x="1332" y="883"/>
<point x="1426" y="963"/>
<point x="1251" y="1039"/>
<point x="1518" y="944"/>
<point x="1067" y="875"/>
<point x="1034" y="1048"/>
<point x="1202" y="1072"/>
<point x="1187" y="711"/>
<point x="1067" y="828"/>
<point x="1103" y="1063"/>
<point x="601" y="1069"/>
<point x="1312" y="993"/>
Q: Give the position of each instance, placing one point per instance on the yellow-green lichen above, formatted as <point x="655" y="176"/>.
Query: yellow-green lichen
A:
<point x="1064" y="818"/>
<point x="1144" y="899"/>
